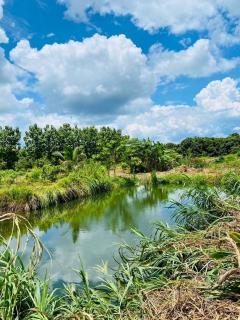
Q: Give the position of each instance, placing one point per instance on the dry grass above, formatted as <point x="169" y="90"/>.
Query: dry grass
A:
<point x="186" y="302"/>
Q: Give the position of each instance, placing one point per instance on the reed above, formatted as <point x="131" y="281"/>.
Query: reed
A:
<point x="36" y="191"/>
<point x="187" y="272"/>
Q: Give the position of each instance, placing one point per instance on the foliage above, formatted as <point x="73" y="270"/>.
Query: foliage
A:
<point x="212" y="147"/>
<point x="198" y="262"/>
<point x="50" y="185"/>
<point x="110" y="147"/>
<point x="9" y="146"/>
<point x="146" y="156"/>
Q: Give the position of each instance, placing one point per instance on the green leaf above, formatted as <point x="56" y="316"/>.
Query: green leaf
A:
<point x="220" y="255"/>
<point x="235" y="236"/>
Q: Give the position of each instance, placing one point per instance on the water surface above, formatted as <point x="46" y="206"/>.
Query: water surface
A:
<point x="89" y="232"/>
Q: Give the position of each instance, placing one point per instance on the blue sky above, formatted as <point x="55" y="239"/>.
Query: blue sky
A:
<point x="153" y="68"/>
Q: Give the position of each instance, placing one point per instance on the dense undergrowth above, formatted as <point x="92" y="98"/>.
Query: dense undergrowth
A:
<point x="48" y="185"/>
<point x="189" y="272"/>
<point x="43" y="187"/>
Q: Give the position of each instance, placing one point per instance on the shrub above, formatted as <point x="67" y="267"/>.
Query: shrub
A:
<point x="23" y="164"/>
<point x="50" y="172"/>
<point x="35" y="174"/>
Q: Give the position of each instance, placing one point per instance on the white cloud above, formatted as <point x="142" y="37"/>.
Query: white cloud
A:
<point x="3" y="36"/>
<point x="8" y="80"/>
<point x="222" y="32"/>
<point x="200" y="60"/>
<point x="10" y="86"/>
<point x="1" y="8"/>
<point x="231" y="6"/>
<point x="220" y="96"/>
<point x="153" y="15"/>
<point x="149" y="15"/>
<point x="216" y="113"/>
<point x="110" y="81"/>
<point x="109" y="76"/>
<point x="97" y="76"/>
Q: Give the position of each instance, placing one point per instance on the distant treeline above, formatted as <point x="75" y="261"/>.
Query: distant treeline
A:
<point x="109" y="146"/>
<point x="212" y="147"/>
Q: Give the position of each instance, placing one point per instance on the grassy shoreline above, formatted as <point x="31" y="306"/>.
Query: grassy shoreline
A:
<point x="188" y="272"/>
<point x="41" y="188"/>
<point x="46" y="186"/>
<point x="32" y="191"/>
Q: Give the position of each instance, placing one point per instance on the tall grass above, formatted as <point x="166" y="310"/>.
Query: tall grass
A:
<point x="38" y="189"/>
<point x="202" y="206"/>
<point x="197" y="264"/>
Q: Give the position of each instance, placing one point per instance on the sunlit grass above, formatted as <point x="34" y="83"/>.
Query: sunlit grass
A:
<point x="192" y="269"/>
<point x="38" y="190"/>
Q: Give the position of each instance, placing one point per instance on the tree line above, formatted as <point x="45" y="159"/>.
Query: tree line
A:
<point x="212" y="147"/>
<point x="106" y="145"/>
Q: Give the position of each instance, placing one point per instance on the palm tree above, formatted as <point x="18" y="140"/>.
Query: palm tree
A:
<point x="75" y="155"/>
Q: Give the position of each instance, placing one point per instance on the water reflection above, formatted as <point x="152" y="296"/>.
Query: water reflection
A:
<point x="91" y="229"/>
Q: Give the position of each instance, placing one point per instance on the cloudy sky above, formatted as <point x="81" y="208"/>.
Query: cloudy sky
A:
<point x="155" y="68"/>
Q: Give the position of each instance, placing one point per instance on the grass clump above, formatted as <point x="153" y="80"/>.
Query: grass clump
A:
<point x="49" y="186"/>
<point x="187" y="272"/>
<point x="191" y="272"/>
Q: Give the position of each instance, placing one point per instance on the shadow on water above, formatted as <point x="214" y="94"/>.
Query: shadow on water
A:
<point x="91" y="229"/>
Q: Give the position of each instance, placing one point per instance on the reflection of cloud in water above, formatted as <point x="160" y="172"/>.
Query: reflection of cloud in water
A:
<point x="92" y="247"/>
<point x="90" y="231"/>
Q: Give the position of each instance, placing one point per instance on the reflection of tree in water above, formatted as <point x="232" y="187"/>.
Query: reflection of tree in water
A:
<point x="118" y="211"/>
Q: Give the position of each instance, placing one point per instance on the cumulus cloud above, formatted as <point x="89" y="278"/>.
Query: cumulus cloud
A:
<point x="3" y="36"/>
<point x="109" y="81"/>
<point x="97" y="76"/>
<point x="220" y="96"/>
<point x="11" y="83"/>
<point x="216" y="113"/>
<point x="150" y="15"/>
<point x="153" y="15"/>
<point x="1" y="8"/>
<point x="110" y="76"/>
<point x="199" y="60"/>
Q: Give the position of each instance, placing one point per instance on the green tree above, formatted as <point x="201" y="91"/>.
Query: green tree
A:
<point x="111" y="146"/>
<point x="51" y="142"/>
<point x="9" y="146"/>
<point x="88" y="139"/>
<point x="34" y="142"/>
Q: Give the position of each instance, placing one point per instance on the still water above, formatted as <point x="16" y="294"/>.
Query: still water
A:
<point x="89" y="233"/>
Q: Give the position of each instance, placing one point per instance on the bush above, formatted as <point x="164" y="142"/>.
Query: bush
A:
<point x="50" y="172"/>
<point x="198" y="163"/>
<point x="231" y="182"/>
<point x="154" y="178"/>
<point x="219" y="160"/>
<point x="35" y="174"/>
<point x="23" y="164"/>
<point x="3" y="165"/>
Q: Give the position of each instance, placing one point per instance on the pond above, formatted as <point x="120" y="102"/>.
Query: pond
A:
<point x="88" y="233"/>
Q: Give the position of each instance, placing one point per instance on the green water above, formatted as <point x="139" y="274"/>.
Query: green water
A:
<point x="89" y="232"/>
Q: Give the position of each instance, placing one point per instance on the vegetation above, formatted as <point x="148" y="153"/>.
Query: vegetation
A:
<point x="57" y="165"/>
<point x="50" y="185"/>
<point x="107" y="146"/>
<point x="212" y="147"/>
<point x="189" y="272"/>
<point x="196" y="264"/>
